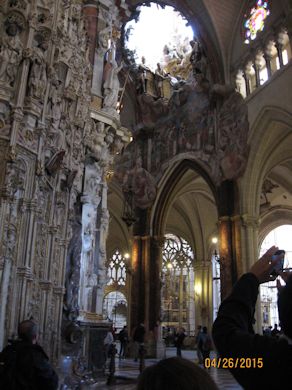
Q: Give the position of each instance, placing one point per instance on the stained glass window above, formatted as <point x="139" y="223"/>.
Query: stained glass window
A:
<point x="255" y="21"/>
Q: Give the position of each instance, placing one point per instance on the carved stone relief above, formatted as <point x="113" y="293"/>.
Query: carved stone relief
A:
<point x="201" y="122"/>
<point x="38" y="51"/>
<point x="50" y="141"/>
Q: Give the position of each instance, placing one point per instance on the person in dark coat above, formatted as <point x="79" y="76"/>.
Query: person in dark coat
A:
<point x="124" y="339"/>
<point x="258" y="361"/>
<point x="24" y="364"/>
<point x="138" y="338"/>
<point x="204" y="344"/>
<point x="179" y="341"/>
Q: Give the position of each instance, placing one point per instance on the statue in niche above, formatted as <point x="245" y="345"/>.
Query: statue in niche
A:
<point x="150" y="110"/>
<point x="92" y="183"/>
<point x="141" y="183"/>
<point x="198" y="58"/>
<point x="111" y="84"/>
<point x="10" y="53"/>
<point x="38" y="71"/>
<point x="57" y="133"/>
<point x="143" y="76"/>
<point x="103" y="39"/>
<point x="73" y="262"/>
<point x="160" y="75"/>
<point x="172" y="61"/>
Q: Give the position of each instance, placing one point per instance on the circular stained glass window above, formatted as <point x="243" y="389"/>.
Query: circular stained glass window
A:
<point x="255" y="21"/>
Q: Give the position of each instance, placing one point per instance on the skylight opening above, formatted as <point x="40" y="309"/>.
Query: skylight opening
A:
<point x="159" y="34"/>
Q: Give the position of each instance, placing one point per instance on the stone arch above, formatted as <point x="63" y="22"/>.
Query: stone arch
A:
<point x="169" y="182"/>
<point x="273" y="218"/>
<point x="119" y="233"/>
<point x="273" y="124"/>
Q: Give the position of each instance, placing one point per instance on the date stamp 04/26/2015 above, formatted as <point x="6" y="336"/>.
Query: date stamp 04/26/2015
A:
<point x="234" y="362"/>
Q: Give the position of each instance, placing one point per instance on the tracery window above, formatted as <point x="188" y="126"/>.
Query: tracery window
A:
<point x="178" y="284"/>
<point x="255" y="20"/>
<point x="116" y="270"/>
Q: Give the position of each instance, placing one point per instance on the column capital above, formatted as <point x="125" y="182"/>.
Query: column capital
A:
<point x="25" y="272"/>
<point x="45" y="285"/>
<point x="235" y="218"/>
<point x="224" y="218"/>
<point x="201" y="264"/>
<point x="159" y="241"/>
<point x="250" y="221"/>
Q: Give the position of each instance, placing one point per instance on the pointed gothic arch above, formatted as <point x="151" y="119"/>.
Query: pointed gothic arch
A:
<point x="172" y="178"/>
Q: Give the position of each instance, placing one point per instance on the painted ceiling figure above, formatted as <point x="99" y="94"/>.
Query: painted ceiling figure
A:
<point x="142" y="184"/>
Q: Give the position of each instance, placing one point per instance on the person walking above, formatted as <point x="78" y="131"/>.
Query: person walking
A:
<point x="108" y="341"/>
<point x="124" y="339"/>
<point x="204" y="344"/>
<point x="179" y="341"/>
<point x="199" y="352"/>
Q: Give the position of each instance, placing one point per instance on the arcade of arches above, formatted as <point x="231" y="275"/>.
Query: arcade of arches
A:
<point x="115" y="179"/>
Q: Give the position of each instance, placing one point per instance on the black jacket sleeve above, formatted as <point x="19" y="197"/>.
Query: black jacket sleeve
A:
<point x="45" y="376"/>
<point x="234" y="338"/>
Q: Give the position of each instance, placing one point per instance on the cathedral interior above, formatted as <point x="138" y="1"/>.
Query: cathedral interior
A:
<point x="131" y="192"/>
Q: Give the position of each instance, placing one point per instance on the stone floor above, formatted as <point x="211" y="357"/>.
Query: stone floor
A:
<point x="127" y="372"/>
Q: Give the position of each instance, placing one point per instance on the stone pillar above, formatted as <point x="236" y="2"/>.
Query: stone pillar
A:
<point x="250" y="249"/>
<point x="155" y="285"/>
<point x="237" y="244"/>
<point x="257" y="73"/>
<point x="267" y="58"/>
<point x="102" y="231"/>
<point x="279" y="47"/>
<point x="203" y="293"/>
<point x="138" y="293"/>
<point x="247" y="82"/>
<point x="89" y="261"/>
<point x="226" y="256"/>
<point x="146" y="290"/>
<point x="227" y="247"/>
<point x="155" y="281"/>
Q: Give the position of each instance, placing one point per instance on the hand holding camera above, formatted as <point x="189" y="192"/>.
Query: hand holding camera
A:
<point x="279" y="255"/>
<point x="269" y="266"/>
